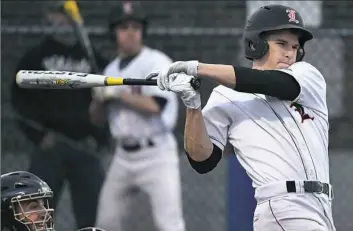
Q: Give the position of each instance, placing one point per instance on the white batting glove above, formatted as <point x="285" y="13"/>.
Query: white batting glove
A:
<point x="187" y="67"/>
<point x="181" y="84"/>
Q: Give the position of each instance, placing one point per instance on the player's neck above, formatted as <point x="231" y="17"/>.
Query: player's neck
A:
<point x="260" y="65"/>
<point x="125" y="54"/>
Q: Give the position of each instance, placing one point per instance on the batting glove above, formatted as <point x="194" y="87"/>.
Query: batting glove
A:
<point x="188" y="67"/>
<point x="181" y="84"/>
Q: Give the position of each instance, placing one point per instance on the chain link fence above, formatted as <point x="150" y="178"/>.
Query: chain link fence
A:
<point x="184" y="35"/>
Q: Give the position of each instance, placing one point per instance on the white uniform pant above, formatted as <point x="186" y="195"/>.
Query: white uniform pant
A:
<point x="278" y="210"/>
<point x="155" y="171"/>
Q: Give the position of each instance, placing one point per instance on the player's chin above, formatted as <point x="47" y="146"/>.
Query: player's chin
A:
<point x="282" y="65"/>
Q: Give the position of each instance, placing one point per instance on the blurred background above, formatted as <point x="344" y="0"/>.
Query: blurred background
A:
<point x="209" y="31"/>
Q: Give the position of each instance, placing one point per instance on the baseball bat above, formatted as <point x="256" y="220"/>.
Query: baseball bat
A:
<point x="73" y="80"/>
<point x="72" y="10"/>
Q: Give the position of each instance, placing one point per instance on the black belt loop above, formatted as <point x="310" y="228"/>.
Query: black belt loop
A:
<point x="291" y="186"/>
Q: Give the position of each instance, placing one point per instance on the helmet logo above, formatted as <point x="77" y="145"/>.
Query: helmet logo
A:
<point x="127" y="7"/>
<point x="291" y="16"/>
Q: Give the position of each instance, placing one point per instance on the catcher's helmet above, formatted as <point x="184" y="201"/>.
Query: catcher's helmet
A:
<point x="271" y="18"/>
<point x="91" y="229"/>
<point x="125" y="11"/>
<point x="18" y="188"/>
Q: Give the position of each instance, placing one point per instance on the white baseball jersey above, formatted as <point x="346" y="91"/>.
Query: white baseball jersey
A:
<point x="275" y="140"/>
<point x="154" y="169"/>
<point x="128" y="123"/>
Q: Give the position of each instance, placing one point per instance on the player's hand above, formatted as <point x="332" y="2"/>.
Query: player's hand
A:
<point x="113" y="92"/>
<point x="181" y="84"/>
<point x="98" y="94"/>
<point x="187" y="67"/>
<point x="109" y="93"/>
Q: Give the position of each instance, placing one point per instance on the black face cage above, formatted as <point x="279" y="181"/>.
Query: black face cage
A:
<point x="44" y="215"/>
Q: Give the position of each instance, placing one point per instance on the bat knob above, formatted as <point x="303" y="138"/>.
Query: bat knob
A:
<point x="196" y="83"/>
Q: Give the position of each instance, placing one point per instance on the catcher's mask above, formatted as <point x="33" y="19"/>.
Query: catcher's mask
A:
<point x="91" y="229"/>
<point x="272" y="18"/>
<point x="25" y="202"/>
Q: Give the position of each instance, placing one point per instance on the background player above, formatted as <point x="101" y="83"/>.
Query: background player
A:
<point x="274" y="114"/>
<point x="141" y="121"/>
<point x="54" y="159"/>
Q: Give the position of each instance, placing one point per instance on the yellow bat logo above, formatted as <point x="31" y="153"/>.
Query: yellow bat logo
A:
<point x="61" y="82"/>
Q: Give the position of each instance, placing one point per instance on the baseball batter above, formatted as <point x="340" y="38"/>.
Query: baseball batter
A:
<point x="274" y="114"/>
<point x="141" y="119"/>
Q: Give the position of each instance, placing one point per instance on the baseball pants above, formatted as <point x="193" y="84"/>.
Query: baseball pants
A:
<point x="294" y="212"/>
<point x="155" y="171"/>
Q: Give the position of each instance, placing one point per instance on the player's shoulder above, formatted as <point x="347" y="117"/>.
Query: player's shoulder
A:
<point x="225" y="94"/>
<point x="111" y="67"/>
<point x="305" y="68"/>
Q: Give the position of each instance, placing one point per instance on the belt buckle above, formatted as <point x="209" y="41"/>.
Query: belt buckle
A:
<point x="330" y="192"/>
<point x="321" y="185"/>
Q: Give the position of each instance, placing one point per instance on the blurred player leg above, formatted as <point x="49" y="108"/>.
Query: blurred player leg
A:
<point x="49" y="165"/>
<point x="86" y="176"/>
<point x="114" y="197"/>
<point x="160" y="179"/>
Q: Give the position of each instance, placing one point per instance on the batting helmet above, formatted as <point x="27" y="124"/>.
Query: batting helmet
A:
<point x="271" y="18"/>
<point x="19" y="187"/>
<point x="126" y="11"/>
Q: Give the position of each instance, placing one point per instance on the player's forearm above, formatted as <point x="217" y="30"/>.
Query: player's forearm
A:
<point x="222" y="74"/>
<point x="145" y="104"/>
<point x="196" y="140"/>
<point x="268" y="82"/>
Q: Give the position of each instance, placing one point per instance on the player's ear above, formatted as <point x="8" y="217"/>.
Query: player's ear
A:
<point x="300" y="54"/>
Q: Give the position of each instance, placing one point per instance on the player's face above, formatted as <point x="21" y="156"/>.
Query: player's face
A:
<point x="61" y="22"/>
<point x="283" y="47"/>
<point x="59" y="19"/>
<point x="33" y="213"/>
<point x="129" y="36"/>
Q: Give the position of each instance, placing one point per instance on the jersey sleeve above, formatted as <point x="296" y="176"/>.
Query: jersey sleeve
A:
<point x="169" y="113"/>
<point x="312" y="86"/>
<point x="216" y="119"/>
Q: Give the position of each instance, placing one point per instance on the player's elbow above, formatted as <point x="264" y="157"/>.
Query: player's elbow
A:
<point x="207" y="165"/>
